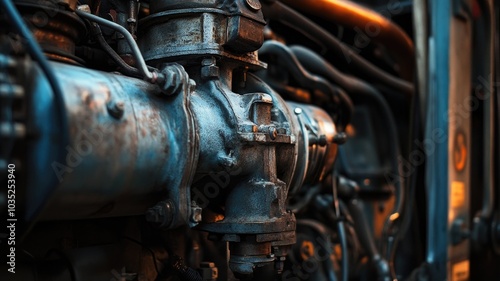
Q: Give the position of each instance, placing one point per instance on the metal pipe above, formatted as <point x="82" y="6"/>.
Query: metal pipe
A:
<point x="125" y="68"/>
<point x="304" y="77"/>
<point x="370" y="22"/>
<point x="139" y="60"/>
<point x="286" y="15"/>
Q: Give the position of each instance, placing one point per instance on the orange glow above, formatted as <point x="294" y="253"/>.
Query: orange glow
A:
<point x="372" y="24"/>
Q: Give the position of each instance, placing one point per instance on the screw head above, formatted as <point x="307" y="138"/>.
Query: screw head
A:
<point x="254" y="4"/>
<point x="273" y="133"/>
<point x="172" y="79"/>
<point x="340" y="138"/>
<point x="196" y="212"/>
<point x="84" y="8"/>
<point x="116" y="108"/>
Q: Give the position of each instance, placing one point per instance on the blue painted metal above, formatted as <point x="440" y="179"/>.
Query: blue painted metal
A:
<point x="129" y="147"/>
<point x="437" y="121"/>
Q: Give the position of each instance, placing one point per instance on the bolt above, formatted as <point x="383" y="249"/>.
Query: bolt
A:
<point x="11" y="91"/>
<point x="273" y="133"/>
<point x="208" y="271"/>
<point x="154" y="214"/>
<point x="195" y="213"/>
<point x="298" y="111"/>
<point x="172" y="79"/>
<point x="254" y="4"/>
<point x="209" y="69"/>
<point x="115" y="109"/>
<point x="7" y="62"/>
<point x="340" y="138"/>
<point x="161" y="214"/>
<point x="266" y="98"/>
<point x="322" y="141"/>
<point x="84" y="8"/>
<point x="8" y="130"/>
<point x="208" y="61"/>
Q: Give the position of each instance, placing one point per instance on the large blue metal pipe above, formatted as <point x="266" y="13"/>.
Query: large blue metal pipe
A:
<point x="129" y="147"/>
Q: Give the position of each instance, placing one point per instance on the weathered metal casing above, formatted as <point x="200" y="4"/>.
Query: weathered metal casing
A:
<point x="317" y="150"/>
<point x="252" y="150"/>
<point x="189" y="29"/>
<point x="54" y="25"/>
<point x="128" y="149"/>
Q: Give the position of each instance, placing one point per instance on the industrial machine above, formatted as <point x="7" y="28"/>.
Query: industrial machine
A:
<point x="295" y="140"/>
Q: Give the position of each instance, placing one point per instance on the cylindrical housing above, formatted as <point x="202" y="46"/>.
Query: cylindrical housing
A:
<point x="317" y="150"/>
<point x="128" y="150"/>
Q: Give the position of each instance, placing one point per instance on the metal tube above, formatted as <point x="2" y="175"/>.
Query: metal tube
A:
<point x="139" y="60"/>
<point x="286" y="15"/>
<point x="355" y="16"/>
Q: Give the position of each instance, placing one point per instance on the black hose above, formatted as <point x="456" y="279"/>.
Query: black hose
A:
<point x="323" y="232"/>
<point x="136" y="52"/>
<point x="356" y="87"/>
<point x="305" y="199"/>
<point x="334" y="217"/>
<point x="306" y="79"/>
<point x="343" y="245"/>
<point x="153" y="256"/>
<point x="282" y="13"/>
<point x="364" y="234"/>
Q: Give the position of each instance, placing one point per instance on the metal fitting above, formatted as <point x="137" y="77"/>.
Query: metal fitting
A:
<point x="340" y="138"/>
<point x="84" y="8"/>
<point x="209" y="69"/>
<point x="208" y="271"/>
<point x="254" y="4"/>
<point x="161" y="214"/>
<point x="273" y="132"/>
<point x="115" y="108"/>
<point x="195" y="213"/>
<point x="171" y="79"/>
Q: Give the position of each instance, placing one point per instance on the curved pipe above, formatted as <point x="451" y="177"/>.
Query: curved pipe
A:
<point x="139" y="60"/>
<point x="286" y="15"/>
<point x="304" y="77"/>
<point x="323" y="232"/>
<point x="374" y="25"/>
<point x="362" y="90"/>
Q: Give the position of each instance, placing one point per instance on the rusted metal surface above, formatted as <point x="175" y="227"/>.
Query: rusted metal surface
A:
<point x="54" y="26"/>
<point x="211" y="145"/>
<point x="117" y="164"/>
<point x="193" y="29"/>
